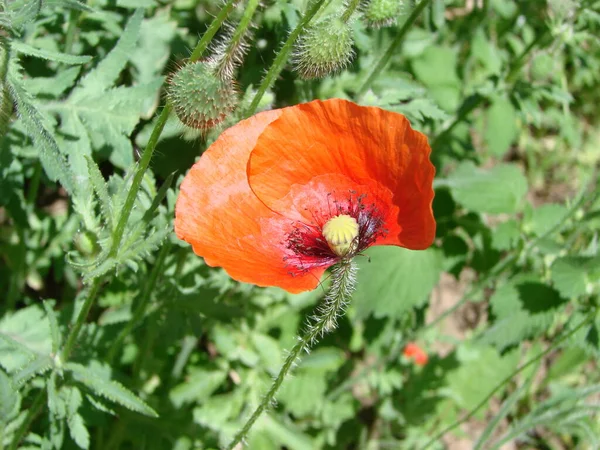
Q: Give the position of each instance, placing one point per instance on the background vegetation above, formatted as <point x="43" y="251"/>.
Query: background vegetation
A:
<point x="114" y="335"/>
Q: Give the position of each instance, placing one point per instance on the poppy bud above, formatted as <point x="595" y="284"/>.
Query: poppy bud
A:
<point x="199" y="97"/>
<point x="416" y="353"/>
<point x="325" y="48"/>
<point x="382" y="13"/>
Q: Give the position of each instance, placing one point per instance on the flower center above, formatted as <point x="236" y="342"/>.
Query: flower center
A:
<point x="341" y="233"/>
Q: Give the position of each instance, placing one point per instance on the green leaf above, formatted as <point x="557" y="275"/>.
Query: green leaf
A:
<point x="52" y="86"/>
<point x="109" y="117"/>
<point x="9" y="399"/>
<point x="436" y="68"/>
<point x="395" y="280"/>
<point x="542" y="219"/>
<point x="198" y="385"/>
<point x="522" y="310"/>
<point x="53" y="322"/>
<point x="26" y="49"/>
<point x="109" y="389"/>
<point x="24" y="335"/>
<point x="501" y="126"/>
<point x="481" y="369"/>
<point x="78" y="431"/>
<point x="38" y="127"/>
<point x="38" y="366"/>
<point x="101" y="190"/>
<point x="497" y="190"/>
<point x="573" y="275"/>
<point x="108" y="70"/>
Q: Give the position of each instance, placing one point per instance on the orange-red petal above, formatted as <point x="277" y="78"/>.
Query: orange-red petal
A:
<point x="361" y="143"/>
<point x="226" y="224"/>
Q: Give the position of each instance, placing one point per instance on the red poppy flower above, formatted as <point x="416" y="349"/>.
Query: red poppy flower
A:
<point x="283" y="195"/>
<point x="416" y="353"/>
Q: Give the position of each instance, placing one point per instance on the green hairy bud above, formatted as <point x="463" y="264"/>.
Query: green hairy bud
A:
<point x="324" y="49"/>
<point x="200" y="98"/>
<point x="382" y="13"/>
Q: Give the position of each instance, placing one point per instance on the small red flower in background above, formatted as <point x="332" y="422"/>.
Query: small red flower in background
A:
<point x="416" y="353"/>
<point x="283" y="195"/>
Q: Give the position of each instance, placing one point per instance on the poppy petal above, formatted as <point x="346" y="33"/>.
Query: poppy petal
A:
<point x="362" y="143"/>
<point x="226" y="224"/>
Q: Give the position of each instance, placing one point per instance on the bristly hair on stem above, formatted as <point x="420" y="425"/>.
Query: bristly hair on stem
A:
<point x="343" y="282"/>
<point x="229" y="51"/>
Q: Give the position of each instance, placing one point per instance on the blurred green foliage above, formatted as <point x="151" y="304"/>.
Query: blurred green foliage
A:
<point x="113" y="334"/>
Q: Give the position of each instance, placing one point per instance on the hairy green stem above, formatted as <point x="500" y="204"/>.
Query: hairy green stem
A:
<point x="32" y="413"/>
<point x="80" y="320"/>
<point x="350" y="10"/>
<point x="212" y="30"/>
<point x="282" y="56"/>
<point x="6" y="104"/>
<point x="385" y="59"/>
<point x="143" y="300"/>
<point x="231" y="56"/>
<point x="519" y="369"/>
<point x="71" y="30"/>
<point x="343" y="278"/>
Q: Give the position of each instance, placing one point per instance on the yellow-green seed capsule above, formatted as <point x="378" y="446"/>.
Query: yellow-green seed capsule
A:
<point x="341" y="234"/>
<point x="382" y="13"/>
<point x="200" y="98"/>
<point x="325" y="48"/>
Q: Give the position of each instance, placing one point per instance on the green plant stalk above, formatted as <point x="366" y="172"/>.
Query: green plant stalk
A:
<point x="385" y="59"/>
<point x="519" y="369"/>
<point x="343" y="282"/>
<point x="32" y="413"/>
<point x="144" y="298"/>
<point x="71" y="30"/>
<point x="228" y="57"/>
<point x="80" y="320"/>
<point x="212" y="30"/>
<point x="282" y="56"/>
<point x="350" y="10"/>
<point x="6" y="104"/>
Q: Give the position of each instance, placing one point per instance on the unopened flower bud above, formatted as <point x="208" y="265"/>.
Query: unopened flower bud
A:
<point x="417" y="354"/>
<point x="325" y="48"/>
<point x="199" y="97"/>
<point x="382" y="13"/>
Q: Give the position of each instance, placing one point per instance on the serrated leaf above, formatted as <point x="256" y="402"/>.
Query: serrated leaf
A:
<point x="36" y="124"/>
<point x="395" y="280"/>
<point x="38" y="366"/>
<point x="24" y="335"/>
<point x="109" y="389"/>
<point x="110" y="117"/>
<point x="26" y="49"/>
<point x="9" y="399"/>
<point x="497" y="190"/>
<point x="107" y="71"/>
<point x="78" y="431"/>
<point x="101" y="190"/>
<point x="522" y="310"/>
<point x="54" y="330"/>
<point x="52" y="86"/>
<point x="571" y="275"/>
